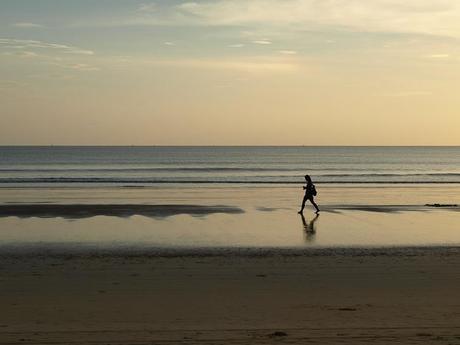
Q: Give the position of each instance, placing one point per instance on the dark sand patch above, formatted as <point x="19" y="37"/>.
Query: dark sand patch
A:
<point x="442" y="205"/>
<point x="267" y="209"/>
<point x="388" y="208"/>
<point x="77" y="211"/>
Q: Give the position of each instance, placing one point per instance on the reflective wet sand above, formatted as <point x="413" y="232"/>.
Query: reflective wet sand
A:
<point x="224" y="217"/>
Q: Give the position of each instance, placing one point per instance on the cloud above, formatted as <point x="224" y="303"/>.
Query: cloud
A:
<point x="54" y="54"/>
<point x="430" y="17"/>
<point x="83" y="67"/>
<point x="79" y="51"/>
<point x="167" y="43"/>
<point x="287" y="52"/>
<point x="28" y="54"/>
<point x="21" y="53"/>
<point x="27" y="25"/>
<point x="261" y="42"/>
<point x="30" y="44"/>
<point x="438" y="56"/>
<point x="236" y="45"/>
<point x="250" y="64"/>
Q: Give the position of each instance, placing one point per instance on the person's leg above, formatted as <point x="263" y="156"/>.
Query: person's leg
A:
<point x="312" y="200"/>
<point x="303" y="204"/>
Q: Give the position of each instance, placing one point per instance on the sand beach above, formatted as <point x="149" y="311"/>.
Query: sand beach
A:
<point x="326" y="297"/>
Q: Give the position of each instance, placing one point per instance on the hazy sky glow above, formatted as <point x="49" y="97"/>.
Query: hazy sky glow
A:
<point x="261" y="72"/>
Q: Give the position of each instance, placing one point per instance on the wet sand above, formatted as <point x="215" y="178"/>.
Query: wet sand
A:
<point x="101" y="220"/>
<point x="78" y="211"/>
<point x="349" y="296"/>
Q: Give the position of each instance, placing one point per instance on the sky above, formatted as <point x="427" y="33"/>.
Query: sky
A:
<point x="260" y="72"/>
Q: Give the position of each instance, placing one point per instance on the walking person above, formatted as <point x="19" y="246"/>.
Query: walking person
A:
<point x="310" y="193"/>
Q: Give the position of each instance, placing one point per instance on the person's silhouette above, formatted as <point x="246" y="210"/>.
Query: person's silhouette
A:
<point x="310" y="192"/>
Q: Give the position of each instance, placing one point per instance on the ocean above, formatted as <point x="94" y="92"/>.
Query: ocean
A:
<point x="143" y="166"/>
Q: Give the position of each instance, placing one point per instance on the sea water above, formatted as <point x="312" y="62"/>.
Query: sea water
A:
<point x="123" y="165"/>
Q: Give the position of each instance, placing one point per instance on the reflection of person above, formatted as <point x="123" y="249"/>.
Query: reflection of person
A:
<point x="309" y="228"/>
<point x="310" y="192"/>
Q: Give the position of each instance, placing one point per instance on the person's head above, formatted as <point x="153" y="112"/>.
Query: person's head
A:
<point x="307" y="178"/>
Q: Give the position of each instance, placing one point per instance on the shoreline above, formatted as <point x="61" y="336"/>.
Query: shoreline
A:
<point x="131" y="252"/>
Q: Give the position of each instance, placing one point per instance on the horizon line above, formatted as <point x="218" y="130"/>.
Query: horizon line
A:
<point x="104" y="145"/>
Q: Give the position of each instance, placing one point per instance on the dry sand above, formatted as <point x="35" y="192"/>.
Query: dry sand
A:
<point x="325" y="297"/>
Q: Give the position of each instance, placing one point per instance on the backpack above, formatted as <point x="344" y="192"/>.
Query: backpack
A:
<point x="313" y="190"/>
